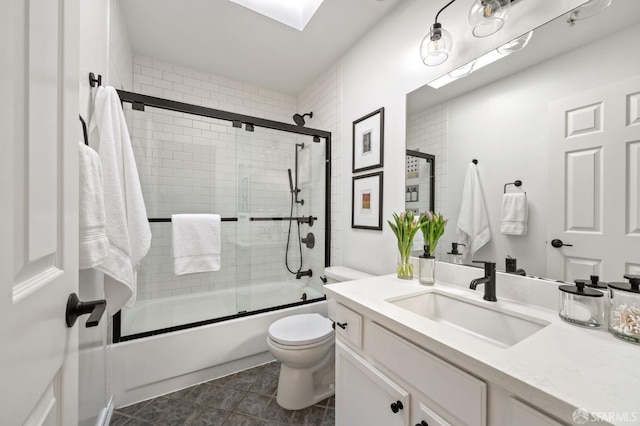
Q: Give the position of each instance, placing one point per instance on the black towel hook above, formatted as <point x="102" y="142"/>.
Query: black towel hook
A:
<point x="474" y="161"/>
<point x="516" y="183"/>
<point x="93" y="80"/>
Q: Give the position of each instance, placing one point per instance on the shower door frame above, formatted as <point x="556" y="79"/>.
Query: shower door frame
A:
<point x="139" y="102"/>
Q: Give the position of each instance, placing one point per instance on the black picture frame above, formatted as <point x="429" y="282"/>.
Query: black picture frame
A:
<point x="366" y="201"/>
<point x="368" y="142"/>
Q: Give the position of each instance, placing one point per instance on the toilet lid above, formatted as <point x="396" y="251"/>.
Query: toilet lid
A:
<point x="303" y="329"/>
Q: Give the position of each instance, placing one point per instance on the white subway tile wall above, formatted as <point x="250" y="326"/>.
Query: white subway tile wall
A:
<point x="324" y="98"/>
<point x="193" y="164"/>
<point x="427" y="132"/>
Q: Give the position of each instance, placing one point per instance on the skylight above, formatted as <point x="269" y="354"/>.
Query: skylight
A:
<point x="294" y="13"/>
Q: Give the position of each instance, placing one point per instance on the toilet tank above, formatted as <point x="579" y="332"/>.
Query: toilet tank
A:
<point x="336" y="274"/>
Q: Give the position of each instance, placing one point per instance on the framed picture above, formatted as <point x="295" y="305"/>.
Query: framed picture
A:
<point x="368" y="141"/>
<point x="366" y="206"/>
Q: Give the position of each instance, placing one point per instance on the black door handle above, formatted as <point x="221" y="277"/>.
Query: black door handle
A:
<point x="75" y="308"/>
<point x="558" y="243"/>
<point x="396" y="406"/>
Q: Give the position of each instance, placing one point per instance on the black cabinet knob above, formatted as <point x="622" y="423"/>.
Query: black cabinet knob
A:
<point x="396" y="406"/>
<point x="558" y="243"/>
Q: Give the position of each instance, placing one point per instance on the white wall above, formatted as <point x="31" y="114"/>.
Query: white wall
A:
<point x="378" y="72"/>
<point x="515" y="147"/>
<point x="100" y="21"/>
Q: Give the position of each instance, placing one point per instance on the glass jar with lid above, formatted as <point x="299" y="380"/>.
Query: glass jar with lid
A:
<point x="581" y="306"/>
<point x="624" y="317"/>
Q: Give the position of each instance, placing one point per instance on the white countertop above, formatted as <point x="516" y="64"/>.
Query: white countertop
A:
<point x="559" y="368"/>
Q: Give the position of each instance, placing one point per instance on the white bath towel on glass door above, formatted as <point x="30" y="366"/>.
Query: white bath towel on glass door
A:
<point x="196" y="243"/>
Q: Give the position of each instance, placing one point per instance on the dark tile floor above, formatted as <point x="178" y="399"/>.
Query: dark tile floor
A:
<point x="246" y="398"/>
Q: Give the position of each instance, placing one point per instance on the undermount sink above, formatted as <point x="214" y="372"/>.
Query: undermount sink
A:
<point x="498" y="327"/>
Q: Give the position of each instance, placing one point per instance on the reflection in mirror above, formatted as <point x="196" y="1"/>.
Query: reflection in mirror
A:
<point x="541" y="115"/>
<point x="419" y="182"/>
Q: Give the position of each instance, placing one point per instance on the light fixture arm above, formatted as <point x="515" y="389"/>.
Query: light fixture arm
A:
<point x="440" y="11"/>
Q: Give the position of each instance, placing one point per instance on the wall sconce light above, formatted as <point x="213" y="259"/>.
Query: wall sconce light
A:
<point x="437" y="44"/>
<point x="486" y="17"/>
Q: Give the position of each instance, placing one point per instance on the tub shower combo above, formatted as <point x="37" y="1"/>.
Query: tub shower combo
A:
<point x="268" y="180"/>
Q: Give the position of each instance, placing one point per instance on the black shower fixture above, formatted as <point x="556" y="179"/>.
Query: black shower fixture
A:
<point x="316" y="138"/>
<point x="299" y="119"/>
<point x="248" y="127"/>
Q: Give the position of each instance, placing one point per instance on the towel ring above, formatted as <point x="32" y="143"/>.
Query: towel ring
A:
<point x="516" y="183"/>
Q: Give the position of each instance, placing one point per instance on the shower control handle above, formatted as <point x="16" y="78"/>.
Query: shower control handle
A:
<point x="76" y="308"/>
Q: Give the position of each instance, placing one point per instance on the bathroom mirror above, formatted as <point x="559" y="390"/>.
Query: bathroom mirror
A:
<point x="419" y="182"/>
<point x="500" y="115"/>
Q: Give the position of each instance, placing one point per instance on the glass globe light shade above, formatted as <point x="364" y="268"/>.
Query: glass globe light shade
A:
<point x="486" y="17"/>
<point x="436" y="46"/>
<point x="463" y="70"/>
<point x="516" y="44"/>
<point x="587" y="10"/>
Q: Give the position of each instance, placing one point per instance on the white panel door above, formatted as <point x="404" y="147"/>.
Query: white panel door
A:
<point x="39" y="129"/>
<point x="594" y="206"/>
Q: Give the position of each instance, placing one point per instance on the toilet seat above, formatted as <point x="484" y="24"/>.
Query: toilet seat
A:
<point x="301" y="330"/>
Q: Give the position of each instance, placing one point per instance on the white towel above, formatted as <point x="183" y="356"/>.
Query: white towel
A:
<point x="473" y="222"/>
<point x="94" y="244"/>
<point x="196" y="243"/>
<point x="514" y="214"/>
<point x="127" y="224"/>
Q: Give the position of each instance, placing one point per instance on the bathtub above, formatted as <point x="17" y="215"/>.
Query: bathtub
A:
<point x="156" y="314"/>
<point x="151" y="366"/>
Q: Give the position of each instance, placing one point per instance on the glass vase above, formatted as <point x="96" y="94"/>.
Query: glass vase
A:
<point x="427" y="274"/>
<point x="405" y="268"/>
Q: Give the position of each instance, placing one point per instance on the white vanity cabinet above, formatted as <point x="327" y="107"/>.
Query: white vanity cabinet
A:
<point x="383" y="379"/>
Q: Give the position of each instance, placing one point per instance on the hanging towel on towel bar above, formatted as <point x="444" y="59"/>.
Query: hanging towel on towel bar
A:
<point x="94" y="244"/>
<point x="473" y="222"/>
<point x="514" y="214"/>
<point x="196" y="243"/>
<point x="127" y="225"/>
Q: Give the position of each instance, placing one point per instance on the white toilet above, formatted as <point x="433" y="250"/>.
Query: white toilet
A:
<point x="304" y="344"/>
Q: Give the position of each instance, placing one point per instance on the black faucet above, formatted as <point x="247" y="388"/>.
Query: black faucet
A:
<point x="301" y="274"/>
<point x="489" y="281"/>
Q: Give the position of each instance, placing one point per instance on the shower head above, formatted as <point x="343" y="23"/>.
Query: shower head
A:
<point x="299" y="119"/>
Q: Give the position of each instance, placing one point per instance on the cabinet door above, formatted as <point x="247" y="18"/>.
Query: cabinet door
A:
<point x="364" y="396"/>
<point x="428" y="416"/>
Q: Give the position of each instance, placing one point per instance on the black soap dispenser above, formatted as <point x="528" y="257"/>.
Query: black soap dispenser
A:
<point x="455" y="256"/>
<point x="511" y="266"/>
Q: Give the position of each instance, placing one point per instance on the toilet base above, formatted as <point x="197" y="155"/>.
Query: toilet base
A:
<point x="301" y="388"/>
